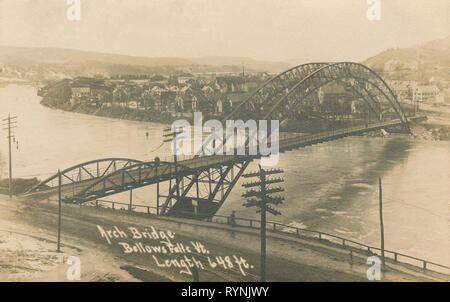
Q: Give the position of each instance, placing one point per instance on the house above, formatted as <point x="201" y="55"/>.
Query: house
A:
<point x="402" y="89"/>
<point x="179" y="102"/>
<point x="194" y="104"/>
<point x="230" y="84"/>
<point x="425" y="94"/>
<point x="331" y="93"/>
<point x="80" y="92"/>
<point x="186" y="78"/>
<point x="218" y="106"/>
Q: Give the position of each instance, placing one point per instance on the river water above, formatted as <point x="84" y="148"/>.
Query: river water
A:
<point x="330" y="187"/>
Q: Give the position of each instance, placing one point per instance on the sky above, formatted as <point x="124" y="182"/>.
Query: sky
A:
<point x="276" y="30"/>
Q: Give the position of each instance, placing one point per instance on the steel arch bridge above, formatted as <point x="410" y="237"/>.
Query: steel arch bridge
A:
<point x="280" y="96"/>
<point x="204" y="182"/>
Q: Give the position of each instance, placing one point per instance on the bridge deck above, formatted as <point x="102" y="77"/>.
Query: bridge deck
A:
<point x="144" y="174"/>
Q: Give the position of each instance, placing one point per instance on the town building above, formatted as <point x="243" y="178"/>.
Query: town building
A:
<point x="425" y="94"/>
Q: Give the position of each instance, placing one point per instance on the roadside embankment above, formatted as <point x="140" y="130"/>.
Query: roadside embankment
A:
<point x="218" y="252"/>
<point x="19" y="185"/>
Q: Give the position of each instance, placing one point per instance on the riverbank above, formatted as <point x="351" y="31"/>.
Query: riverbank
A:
<point x="19" y="185"/>
<point x="437" y="126"/>
<point x="113" y="112"/>
<point x="288" y="259"/>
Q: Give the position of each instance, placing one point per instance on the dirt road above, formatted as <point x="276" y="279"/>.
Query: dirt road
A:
<point x="121" y="246"/>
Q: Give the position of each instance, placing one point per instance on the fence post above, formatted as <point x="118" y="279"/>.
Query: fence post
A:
<point x="424" y="265"/>
<point x="96" y="203"/>
<point x="395" y="257"/>
<point x="148" y="210"/>
<point x="112" y="204"/>
<point x="298" y="234"/>
<point x="320" y="236"/>
<point x="274" y="226"/>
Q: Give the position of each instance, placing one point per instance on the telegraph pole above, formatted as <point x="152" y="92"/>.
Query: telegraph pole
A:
<point x="173" y="138"/>
<point x="157" y="160"/>
<point x="261" y="199"/>
<point x="381" y="221"/>
<point x="10" y="123"/>
<point x="58" y="249"/>
<point x="130" y="207"/>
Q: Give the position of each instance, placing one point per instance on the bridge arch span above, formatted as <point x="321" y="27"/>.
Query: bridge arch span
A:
<point x="84" y="171"/>
<point x="276" y="101"/>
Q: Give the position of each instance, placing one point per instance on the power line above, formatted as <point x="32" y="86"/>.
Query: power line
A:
<point x="10" y="124"/>
<point x="262" y="198"/>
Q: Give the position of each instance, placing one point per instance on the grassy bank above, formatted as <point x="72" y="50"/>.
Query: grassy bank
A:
<point x="19" y="185"/>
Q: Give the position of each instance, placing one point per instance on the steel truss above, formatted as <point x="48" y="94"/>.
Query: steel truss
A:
<point x="204" y="192"/>
<point x="85" y="171"/>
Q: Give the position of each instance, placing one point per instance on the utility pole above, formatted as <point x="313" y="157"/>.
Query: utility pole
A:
<point x="381" y="221"/>
<point x="261" y="199"/>
<point x="58" y="249"/>
<point x="10" y="123"/>
<point x="130" y="207"/>
<point x="173" y="138"/>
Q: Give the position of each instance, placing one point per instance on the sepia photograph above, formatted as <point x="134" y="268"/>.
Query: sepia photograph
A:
<point x="224" y="141"/>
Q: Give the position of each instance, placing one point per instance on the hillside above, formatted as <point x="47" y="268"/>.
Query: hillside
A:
<point x="422" y="61"/>
<point x="38" y="63"/>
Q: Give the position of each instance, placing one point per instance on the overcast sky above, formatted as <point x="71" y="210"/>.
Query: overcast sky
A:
<point x="262" y="29"/>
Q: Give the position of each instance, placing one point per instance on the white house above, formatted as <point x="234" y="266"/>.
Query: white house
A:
<point x="425" y="94"/>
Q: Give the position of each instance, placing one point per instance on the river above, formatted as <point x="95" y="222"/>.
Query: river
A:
<point x="331" y="187"/>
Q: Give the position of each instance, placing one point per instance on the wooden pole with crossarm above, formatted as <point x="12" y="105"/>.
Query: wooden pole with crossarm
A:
<point x="10" y="124"/>
<point x="262" y="199"/>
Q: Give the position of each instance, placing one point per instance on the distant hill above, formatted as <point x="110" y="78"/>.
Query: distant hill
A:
<point x="424" y="60"/>
<point x="10" y="54"/>
<point x="247" y="63"/>
<point x="57" y="62"/>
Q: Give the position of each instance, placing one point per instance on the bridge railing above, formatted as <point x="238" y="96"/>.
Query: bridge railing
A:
<point x="312" y="137"/>
<point x="302" y="137"/>
<point x="290" y="230"/>
<point x="344" y="242"/>
<point x="124" y="206"/>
